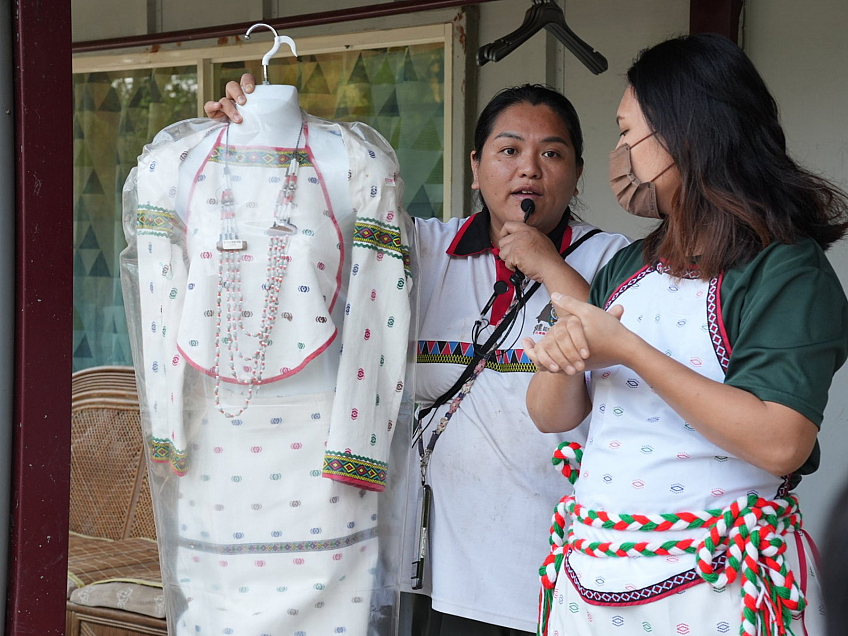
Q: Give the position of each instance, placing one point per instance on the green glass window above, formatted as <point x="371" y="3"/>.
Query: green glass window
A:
<point x="115" y="114"/>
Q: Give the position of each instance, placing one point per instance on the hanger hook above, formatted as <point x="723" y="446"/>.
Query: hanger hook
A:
<point x="278" y="39"/>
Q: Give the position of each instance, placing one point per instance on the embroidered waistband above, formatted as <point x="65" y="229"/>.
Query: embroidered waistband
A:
<point x="750" y="531"/>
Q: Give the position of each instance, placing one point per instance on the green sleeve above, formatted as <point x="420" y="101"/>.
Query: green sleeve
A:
<point x="786" y="318"/>
<point x="626" y="262"/>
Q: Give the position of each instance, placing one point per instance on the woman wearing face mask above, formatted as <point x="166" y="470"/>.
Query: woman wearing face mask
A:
<point x="490" y="465"/>
<point x="711" y="346"/>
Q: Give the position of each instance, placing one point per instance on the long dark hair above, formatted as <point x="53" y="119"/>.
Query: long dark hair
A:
<point x="535" y="95"/>
<point x="740" y="190"/>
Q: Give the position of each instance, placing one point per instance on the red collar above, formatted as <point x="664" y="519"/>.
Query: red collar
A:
<point x="473" y="238"/>
<point x="473" y="235"/>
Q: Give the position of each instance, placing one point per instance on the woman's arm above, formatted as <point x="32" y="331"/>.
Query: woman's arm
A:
<point x="766" y="434"/>
<point x="557" y="399"/>
<point x="557" y="402"/>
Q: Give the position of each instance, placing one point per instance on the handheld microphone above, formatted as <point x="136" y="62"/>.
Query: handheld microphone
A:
<point x="528" y="207"/>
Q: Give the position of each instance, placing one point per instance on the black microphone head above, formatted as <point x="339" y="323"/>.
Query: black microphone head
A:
<point x="528" y="206"/>
<point x="500" y="287"/>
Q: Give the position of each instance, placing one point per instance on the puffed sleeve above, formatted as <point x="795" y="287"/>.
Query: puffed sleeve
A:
<point x="370" y="379"/>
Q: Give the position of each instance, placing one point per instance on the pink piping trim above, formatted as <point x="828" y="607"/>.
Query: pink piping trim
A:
<point x="802" y="564"/>
<point x="365" y="485"/>
<point x="275" y="378"/>
<point x="332" y="215"/>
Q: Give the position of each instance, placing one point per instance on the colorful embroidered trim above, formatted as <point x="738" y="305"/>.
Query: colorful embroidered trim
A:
<point x="751" y="530"/>
<point x="627" y="285"/>
<point x="355" y="470"/>
<point x="153" y="220"/>
<point x="714" y="323"/>
<point x="257" y="157"/>
<point x="454" y="352"/>
<point x="163" y="451"/>
<point x="281" y="547"/>
<point x="384" y="238"/>
<point x="649" y="594"/>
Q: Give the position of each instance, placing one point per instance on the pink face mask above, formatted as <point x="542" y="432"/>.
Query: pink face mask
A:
<point x="637" y="197"/>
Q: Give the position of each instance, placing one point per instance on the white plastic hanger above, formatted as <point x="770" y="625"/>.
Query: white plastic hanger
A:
<point x="278" y="40"/>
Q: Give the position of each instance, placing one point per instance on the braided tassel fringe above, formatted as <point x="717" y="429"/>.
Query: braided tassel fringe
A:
<point x="751" y="531"/>
<point x="570" y="456"/>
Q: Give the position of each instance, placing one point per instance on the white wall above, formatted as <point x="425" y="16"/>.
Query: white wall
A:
<point x="619" y="29"/>
<point x="801" y="51"/>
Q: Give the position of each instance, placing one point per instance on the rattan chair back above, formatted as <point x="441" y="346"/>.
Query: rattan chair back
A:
<point x="110" y="496"/>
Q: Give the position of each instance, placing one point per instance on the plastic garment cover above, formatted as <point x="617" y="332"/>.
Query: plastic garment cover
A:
<point x="267" y="283"/>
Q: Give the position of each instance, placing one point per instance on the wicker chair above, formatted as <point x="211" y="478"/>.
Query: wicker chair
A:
<point x="114" y="583"/>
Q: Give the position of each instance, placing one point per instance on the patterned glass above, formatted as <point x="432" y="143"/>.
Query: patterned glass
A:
<point x="399" y="91"/>
<point x="115" y="114"/>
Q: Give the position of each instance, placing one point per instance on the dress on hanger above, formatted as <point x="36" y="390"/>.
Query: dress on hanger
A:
<point x="267" y="284"/>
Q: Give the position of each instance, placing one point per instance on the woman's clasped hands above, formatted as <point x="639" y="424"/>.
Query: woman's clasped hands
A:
<point x="584" y="338"/>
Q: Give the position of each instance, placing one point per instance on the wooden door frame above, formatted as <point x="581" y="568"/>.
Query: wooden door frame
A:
<point x="38" y="542"/>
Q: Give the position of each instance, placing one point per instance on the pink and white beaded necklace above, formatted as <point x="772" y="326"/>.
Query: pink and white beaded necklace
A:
<point x="229" y="326"/>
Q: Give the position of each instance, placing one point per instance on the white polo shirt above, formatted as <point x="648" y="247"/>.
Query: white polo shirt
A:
<point x="493" y="483"/>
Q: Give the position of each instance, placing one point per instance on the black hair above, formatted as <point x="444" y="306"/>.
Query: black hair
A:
<point x="535" y="95"/>
<point x="740" y="190"/>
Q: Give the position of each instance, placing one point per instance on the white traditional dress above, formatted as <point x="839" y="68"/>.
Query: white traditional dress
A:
<point x="654" y="500"/>
<point x="271" y="372"/>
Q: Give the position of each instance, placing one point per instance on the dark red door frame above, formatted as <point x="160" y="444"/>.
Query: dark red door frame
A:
<point x="715" y="16"/>
<point x="37" y="564"/>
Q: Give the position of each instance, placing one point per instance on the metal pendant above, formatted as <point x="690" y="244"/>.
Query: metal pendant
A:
<point x="231" y="245"/>
<point x="282" y="228"/>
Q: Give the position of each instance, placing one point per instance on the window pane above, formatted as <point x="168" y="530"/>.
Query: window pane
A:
<point x="115" y="114"/>
<point x="399" y="91"/>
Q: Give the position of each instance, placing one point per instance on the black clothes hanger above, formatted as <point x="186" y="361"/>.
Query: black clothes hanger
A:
<point x="543" y="14"/>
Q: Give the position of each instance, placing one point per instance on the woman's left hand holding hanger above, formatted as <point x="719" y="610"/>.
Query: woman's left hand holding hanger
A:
<point x="236" y="93"/>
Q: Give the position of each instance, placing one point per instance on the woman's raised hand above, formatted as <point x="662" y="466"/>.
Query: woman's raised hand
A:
<point x="225" y="108"/>
<point x="526" y="248"/>
<point x="585" y="337"/>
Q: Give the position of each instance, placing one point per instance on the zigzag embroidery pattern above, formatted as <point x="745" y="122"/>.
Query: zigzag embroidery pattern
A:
<point x="354" y="468"/>
<point x="280" y="547"/>
<point x="163" y="451"/>
<point x="373" y="234"/>
<point x="663" y="588"/>
<point x="452" y="352"/>
<point x="722" y="350"/>
<point x="262" y="158"/>
<point x="153" y="220"/>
